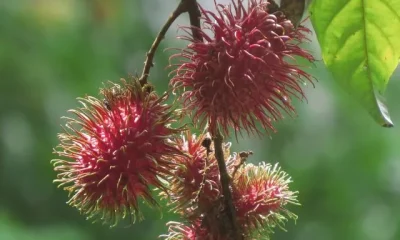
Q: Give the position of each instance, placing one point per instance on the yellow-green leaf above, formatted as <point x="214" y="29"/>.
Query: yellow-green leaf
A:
<point x="360" y="43"/>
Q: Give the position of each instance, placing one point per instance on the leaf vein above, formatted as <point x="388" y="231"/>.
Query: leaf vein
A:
<point x="384" y="35"/>
<point x="335" y="16"/>
<point x="345" y="42"/>
<point x="391" y="9"/>
<point x="353" y="72"/>
<point x="366" y="44"/>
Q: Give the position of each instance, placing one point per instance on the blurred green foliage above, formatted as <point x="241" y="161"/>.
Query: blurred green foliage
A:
<point x="345" y="166"/>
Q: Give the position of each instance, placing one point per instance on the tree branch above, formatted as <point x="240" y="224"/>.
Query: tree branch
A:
<point x="226" y="183"/>
<point x="181" y="8"/>
<point x="192" y="8"/>
<point x="189" y="6"/>
<point x="194" y="17"/>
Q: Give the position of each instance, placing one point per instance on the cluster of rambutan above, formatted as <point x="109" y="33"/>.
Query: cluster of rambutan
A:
<point x="259" y="194"/>
<point x="116" y="149"/>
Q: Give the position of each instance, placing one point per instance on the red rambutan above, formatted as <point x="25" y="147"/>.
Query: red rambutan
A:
<point x="193" y="231"/>
<point x="240" y="74"/>
<point x="114" y="150"/>
<point x="194" y="186"/>
<point x="260" y="195"/>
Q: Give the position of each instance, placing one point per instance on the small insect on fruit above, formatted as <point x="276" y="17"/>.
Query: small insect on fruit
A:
<point x="107" y="104"/>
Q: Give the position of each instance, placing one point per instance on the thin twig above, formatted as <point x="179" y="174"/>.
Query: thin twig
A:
<point x="226" y="182"/>
<point x="194" y="17"/>
<point x="207" y="145"/>
<point x="150" y="54"/>
<point x="192" y="8"/>
<point x="189" y="6"/>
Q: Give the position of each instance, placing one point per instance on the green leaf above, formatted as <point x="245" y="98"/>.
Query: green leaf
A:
<point x="360" y="42"/>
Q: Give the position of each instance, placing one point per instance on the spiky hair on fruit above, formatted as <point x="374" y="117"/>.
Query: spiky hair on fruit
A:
<point x="190" y="231"/>
<point x="243" y="71"/>
<point x="114" y="150"/>
<point x="194" y="185"/>
<point x="261" y="195"/>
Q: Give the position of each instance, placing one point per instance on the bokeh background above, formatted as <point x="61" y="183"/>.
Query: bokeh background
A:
<point x="345" y="166"/>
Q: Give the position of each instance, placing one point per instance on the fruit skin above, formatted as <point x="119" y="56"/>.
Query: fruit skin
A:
<point x="114" y="150"/>
<point x="243" y="72"/>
